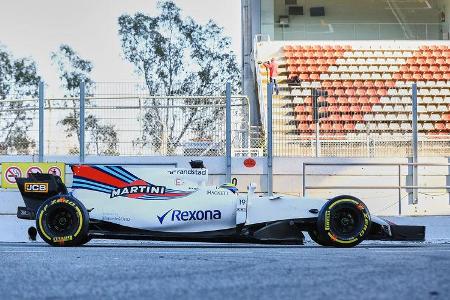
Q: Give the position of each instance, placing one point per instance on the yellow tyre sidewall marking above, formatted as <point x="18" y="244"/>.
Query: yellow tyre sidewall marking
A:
<point x="40" y="223"/>
<point x="327" y="222"/>
<point x="78" y="212"/>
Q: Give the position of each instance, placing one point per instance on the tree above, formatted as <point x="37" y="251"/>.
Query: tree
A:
<point x="72" y="71"/>
<point x="18" y="80"/>
<point x="178" y="56"/>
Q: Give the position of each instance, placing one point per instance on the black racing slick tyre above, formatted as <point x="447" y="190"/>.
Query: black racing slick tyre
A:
<point x="314" y="235"/>
<point x="343" y="221"/>
<point x="63" y="221"/>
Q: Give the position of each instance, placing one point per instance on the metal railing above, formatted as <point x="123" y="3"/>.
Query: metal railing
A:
<point x="123" y="119"/>
<point x="399" y="186"/>
<point x="360" y="31"/>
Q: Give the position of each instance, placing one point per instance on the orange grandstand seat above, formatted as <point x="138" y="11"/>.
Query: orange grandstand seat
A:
<point x="314" y="76"/>
<point x="325" y="127"/>
<point x="358" y="117"/>
<point x="407" y="76"/>
<point x="337" y="84"/>
<point x="344" y="109"/>
<point x="439" y="126"/>
<point x="349" y="92"/>
<point x="353" y="100"/>
<point x="363" y="100"/>
<point x="299" y="109"/>
<point x="303" y="127"/>
<point x="310" y="61"/>
<point x="347" y="117"/>
<point x="355" y="108"/>
<point x="420" y="61"/>
<point x="342" y="100"/>
<point x="322" y="69"/>
<point x="371" y="92"/>
<point x="441" y="61"/>
<point x="366" y="108"/>
<point x="389" y="84"/>
<point x="417" y="76"/>
<point x="331" y="61"/>
<point x="347" y="47"/>
<point x="426" y="76"/>
<point x="338" y="127"/>
<point x="436" y="53"/>
<point x="331" y="100"/>
<point x="430" y="60"/>
<point x="312" y="68"/>
<point x="347" y="84"/>
<point x="304" y="76"/>
<point x="416" y="68"/>
<point x="368" y="83"/>
<point x="446" y="117"/>
<point x="443" y="68"/>
<point x="308" y="100"/>
<point x="446" y="76"/>
<point x="379" y="84"/>
<point x="334" y="117"/>
<point x="374" y="100"/>
<point x="437" y="76"/>
<point x="409" y="61"/>
<point x="327" y="84"/>
<point x="404" y="68"/>
<point x="349" y="126"/>
<point x="397" y="76"/>
<point x="382" y="92"/>
<point x="358" y="83"/>
<point x="333" y="109"/>
<point x="361" y="92"/>
<point x="446" y="53"/>
<point x="339" y="92"/>
<point x="434" y="68"/>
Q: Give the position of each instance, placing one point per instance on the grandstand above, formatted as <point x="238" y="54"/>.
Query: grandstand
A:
<point x="368" y="80"/>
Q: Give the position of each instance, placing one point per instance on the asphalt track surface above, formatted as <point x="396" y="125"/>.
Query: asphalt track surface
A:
<point x="157" y="270"/>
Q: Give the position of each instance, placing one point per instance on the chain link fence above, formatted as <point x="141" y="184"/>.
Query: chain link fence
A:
<point x="360" y="119"/>
<point x="18" y="119"/>
<point x="124" y="119"/>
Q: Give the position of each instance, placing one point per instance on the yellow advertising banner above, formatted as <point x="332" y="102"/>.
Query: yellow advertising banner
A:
<point x="11" y="170"/>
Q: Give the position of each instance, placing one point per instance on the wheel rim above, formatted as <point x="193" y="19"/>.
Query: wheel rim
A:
<point x="346" y="221"/>
<point x="61" y="221"/>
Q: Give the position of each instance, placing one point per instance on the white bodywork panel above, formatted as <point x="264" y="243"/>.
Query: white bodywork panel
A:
<point x="177" y="200"/>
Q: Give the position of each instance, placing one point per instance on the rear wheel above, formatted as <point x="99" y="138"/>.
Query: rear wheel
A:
<point x="343" y="221"/>
<point x="63" y="221"/>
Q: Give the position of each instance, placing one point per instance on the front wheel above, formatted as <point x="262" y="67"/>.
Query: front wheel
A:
<point x="63" y="221"/>
<point x="343" y="221"/>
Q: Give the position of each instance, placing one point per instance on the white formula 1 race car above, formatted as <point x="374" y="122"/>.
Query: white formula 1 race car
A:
<point x="175" y="204"/>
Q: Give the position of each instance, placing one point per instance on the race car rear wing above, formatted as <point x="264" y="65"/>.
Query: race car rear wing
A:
<point x="36" y="189"/>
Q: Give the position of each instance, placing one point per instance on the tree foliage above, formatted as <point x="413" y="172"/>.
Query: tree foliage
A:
<point x="18" y="80"/>
<point x="72" y="70"/>
<point x="177" y="56"/>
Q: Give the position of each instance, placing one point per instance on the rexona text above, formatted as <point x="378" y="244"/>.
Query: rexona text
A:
<point x="191" y="215"/>
<point x="138" y="189"/>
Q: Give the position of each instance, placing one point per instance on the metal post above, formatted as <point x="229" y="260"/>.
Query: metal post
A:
<point x="399" y="190"/>
<point x="304" y="179"/>
<point x="82" y="117"/>
<point x="228" y="131"/>
<point x="41" y="121"/>
<point x="414" y="141"/>
<point x="315" y="97"/>
<point x="269" y="139"/>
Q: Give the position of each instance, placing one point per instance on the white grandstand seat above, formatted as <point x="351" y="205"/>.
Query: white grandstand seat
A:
<point x="406" y="126"/>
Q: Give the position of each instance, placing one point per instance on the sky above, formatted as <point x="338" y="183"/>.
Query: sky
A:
<point x="36" y="28"/>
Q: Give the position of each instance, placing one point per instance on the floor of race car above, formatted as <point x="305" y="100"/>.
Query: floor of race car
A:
<point x="164" y="270"/>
